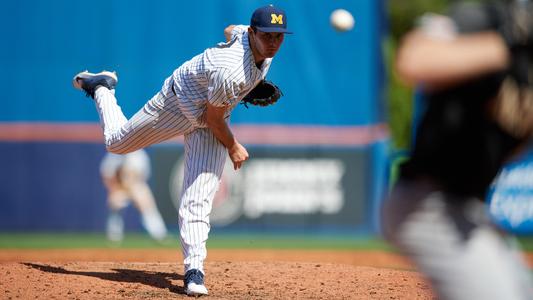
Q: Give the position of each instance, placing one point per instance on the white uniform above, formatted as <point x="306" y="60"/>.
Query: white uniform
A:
<point x="137" y="161"/>
<point x="222" y="75"/>
<point x="125" y="177"/>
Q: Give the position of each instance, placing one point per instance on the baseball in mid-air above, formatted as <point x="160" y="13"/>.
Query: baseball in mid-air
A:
<point x="341" y="20"/>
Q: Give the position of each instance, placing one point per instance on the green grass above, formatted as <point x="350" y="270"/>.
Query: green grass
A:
<point x="216" y="241"/>
<point x="526" y="242"/>
<point x="220" y="241"/>
<point x="338" y="242"/>
<point x="70" y="241"/>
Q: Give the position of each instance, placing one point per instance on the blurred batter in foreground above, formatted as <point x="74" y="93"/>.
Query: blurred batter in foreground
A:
<point x="474" y="68"/>
<point x="125" y="177"/>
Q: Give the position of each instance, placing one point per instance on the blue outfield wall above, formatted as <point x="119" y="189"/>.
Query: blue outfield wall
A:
<point x="54" y="186"/>
<point x="328" y="77"/>
<point x="51" y="144"/>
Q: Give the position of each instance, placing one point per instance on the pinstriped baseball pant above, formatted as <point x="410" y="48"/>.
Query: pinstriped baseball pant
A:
<point x="159" y="120"/>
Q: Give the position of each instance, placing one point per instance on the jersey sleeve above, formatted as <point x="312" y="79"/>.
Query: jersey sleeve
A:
<point x="221" y="91"/>
<point x="238" y="30"/>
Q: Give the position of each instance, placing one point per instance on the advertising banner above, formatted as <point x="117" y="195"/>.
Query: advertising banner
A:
<point x="511" y="195"/>
<point x="279" y="188"/>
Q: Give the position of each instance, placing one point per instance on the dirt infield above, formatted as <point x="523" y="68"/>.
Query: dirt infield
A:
<point x="231" y="274"/>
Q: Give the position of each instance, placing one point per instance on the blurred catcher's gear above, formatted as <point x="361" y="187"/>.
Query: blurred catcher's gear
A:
<point x="264" y="94"/>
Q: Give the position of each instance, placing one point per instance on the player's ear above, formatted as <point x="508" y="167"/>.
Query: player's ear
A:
<point x="251" y="36"/>
<point x="251" y="31"/>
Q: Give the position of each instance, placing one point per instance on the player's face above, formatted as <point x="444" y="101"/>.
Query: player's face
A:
<point x="267" y="43"/>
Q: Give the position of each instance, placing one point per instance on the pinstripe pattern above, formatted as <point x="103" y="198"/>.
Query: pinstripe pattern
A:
<point x="222" y="76"/>
<point x="204" y="161"/>
<point x="157" y="121"/>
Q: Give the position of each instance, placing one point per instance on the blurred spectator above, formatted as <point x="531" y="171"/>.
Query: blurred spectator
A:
<point x="125" y="177"/>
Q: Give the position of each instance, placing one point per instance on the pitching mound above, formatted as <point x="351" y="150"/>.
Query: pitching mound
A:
<point x="226" y="279"/>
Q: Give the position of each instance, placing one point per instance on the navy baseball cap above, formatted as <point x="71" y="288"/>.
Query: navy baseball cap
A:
<point x="269" y="19"/>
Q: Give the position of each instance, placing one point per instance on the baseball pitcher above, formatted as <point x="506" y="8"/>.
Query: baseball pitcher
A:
<point x="196" y="101"/>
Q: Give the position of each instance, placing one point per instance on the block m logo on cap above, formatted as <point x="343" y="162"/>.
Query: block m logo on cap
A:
<point x="276" y="19"/>
<point x="269" y="19"/>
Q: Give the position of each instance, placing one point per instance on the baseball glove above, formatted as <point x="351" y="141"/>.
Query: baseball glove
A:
<point x="264" y="94"/>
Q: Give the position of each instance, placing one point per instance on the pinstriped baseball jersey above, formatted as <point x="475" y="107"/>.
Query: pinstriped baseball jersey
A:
<point x="221" y="75"/>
